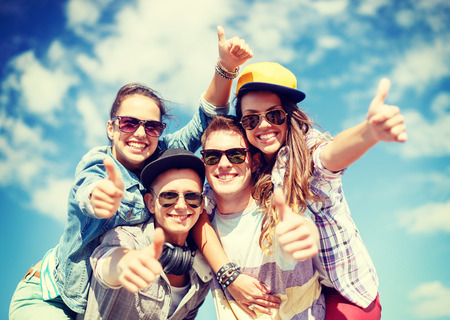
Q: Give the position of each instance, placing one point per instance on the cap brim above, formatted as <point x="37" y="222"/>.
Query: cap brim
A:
<point x="177" y="161"/>
<point x="293" y="94"/>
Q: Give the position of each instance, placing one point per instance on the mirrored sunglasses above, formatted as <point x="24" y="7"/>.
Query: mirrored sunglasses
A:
<point x="169" y="198"/>
<point x="213" y="156"/>
<point x="129" y="124"/>
<point x="251" y="121"/>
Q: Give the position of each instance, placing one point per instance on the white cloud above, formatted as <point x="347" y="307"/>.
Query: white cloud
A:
<point x="431" y="300"/>
<point x="428" y="218"/>
<point x="426" y="138"/>
<point x="176" y="59"/>
<point x="405" y="18"/>
<point x="371" y="7"/>
<point x="22" y="153"/>
<point x="422" y="65"/>
<point x="94" y="126"/>
<point x="330" y="8"/>
<point x="435" y="13"/>
<point x="51" y="199"/>
<point x="329" y="42"/>
<point x="82" y="12"/>
<point x="42" y="89"/>
<point x="441" y="104"/>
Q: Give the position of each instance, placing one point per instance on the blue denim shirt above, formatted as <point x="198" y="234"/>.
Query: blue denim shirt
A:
<point x="71" y="268"/>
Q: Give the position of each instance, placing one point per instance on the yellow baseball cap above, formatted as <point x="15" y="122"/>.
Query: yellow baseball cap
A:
<point x="270" y="76"/>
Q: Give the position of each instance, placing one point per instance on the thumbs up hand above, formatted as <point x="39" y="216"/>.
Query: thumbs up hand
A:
<point x="298" y="236"/>
<point x="232" y="52"/>
<point x="385" y="121"/>
<point x="106" y="196"/>
<point x="139" y="268"/>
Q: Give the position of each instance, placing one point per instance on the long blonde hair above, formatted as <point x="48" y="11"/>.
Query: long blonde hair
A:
<point x="299" y="169"/>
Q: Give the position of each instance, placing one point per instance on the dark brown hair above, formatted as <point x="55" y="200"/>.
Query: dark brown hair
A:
<point x="299" y="169"/>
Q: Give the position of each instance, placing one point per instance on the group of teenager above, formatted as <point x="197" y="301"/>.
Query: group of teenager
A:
<point x="270" y="234"/>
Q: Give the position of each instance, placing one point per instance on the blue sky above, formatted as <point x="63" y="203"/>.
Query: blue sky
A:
<point x="61" y="63"/>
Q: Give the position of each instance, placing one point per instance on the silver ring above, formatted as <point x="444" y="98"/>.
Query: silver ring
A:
<point x="252" y="306"/>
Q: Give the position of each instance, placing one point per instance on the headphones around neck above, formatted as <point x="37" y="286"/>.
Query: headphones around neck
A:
<point x="175" y="259"/>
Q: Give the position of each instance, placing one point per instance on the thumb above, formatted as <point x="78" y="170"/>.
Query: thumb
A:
<point x="220" y="34"/>
<point x="383" y="90"/>
<point x="158" y="242"/>
<point x="113" y="174"/>
<point x="280" y="202"/>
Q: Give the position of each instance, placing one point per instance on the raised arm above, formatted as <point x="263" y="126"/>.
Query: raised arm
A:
<point x="384" y="123"/>
<point x="232" y="53"/>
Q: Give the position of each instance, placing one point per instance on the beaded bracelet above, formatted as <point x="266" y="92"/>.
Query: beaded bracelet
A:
<point x="225" y="73"/>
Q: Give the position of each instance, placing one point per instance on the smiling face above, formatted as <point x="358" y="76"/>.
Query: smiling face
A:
<point x="178" y="219"/>
<point x="232" y="183"/>
<point x="267" y="137"/>
<point x="132" y="149"/>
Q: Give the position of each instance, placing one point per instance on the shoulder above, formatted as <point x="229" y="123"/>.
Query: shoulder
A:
<point x="93" y="157"/>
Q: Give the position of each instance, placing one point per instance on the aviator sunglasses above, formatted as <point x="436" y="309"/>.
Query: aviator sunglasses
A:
<point x="213" y="156"/>
<point x="251" y="121"/>
<point x="169" y="198"/>
<point x="129" y="124"/>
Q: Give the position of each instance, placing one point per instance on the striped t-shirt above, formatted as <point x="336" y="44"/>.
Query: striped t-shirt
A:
<point x="295" y="283"/>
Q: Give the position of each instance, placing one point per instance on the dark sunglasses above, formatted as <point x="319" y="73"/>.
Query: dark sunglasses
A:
<point x="129" y="124"/>
<point x="169" y="198"/>
<point x="213" y="156"/>
<point x="251" y="121"/>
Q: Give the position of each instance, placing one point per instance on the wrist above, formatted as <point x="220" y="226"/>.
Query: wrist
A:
<point x="369" y="132"/>
<point x="226" y="73"/>
<point x="227" y="274"/>
<point x="226" y="65"/>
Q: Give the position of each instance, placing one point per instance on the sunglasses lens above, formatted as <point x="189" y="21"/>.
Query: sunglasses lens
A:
<point x="250" y="122"/>
<point x="211" y="157"/>
<point x="168" y="199"/>
<point x="276" y="117"/>
<point x="154" y="128"/>
<point x="128" y="124"/>
<point x="236" y="155"/>
<point x="193" y="199"/>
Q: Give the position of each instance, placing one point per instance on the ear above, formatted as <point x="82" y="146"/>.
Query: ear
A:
<point x="256" y="161"/>
<point x="110" y="130"/>
<point x="149" y="201"/>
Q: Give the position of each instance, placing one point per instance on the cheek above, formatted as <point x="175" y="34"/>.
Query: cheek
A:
<point x="251" y="136"/>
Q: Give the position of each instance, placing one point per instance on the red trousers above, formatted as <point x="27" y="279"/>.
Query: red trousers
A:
<point x="339" y="308"/>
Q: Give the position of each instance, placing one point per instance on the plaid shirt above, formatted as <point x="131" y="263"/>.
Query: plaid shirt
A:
<point x="153" y="303"/>
<point x="342" y="256"/>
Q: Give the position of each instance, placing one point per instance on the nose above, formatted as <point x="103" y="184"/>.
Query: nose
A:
<point x="263" y="122"/>
<point x="140" y="131"/>
<point x="224" y="162"/>
<point x="181" y="203"/>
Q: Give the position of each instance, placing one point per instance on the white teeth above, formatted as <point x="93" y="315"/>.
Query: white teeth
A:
<point x="267" y="136"/>
<point x="226" y="176"/>
<point x="137" y="145"/>
<point x="182" y="217"/>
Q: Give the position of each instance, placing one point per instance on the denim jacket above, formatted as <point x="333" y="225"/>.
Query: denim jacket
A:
<point x="67" y="265"/>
